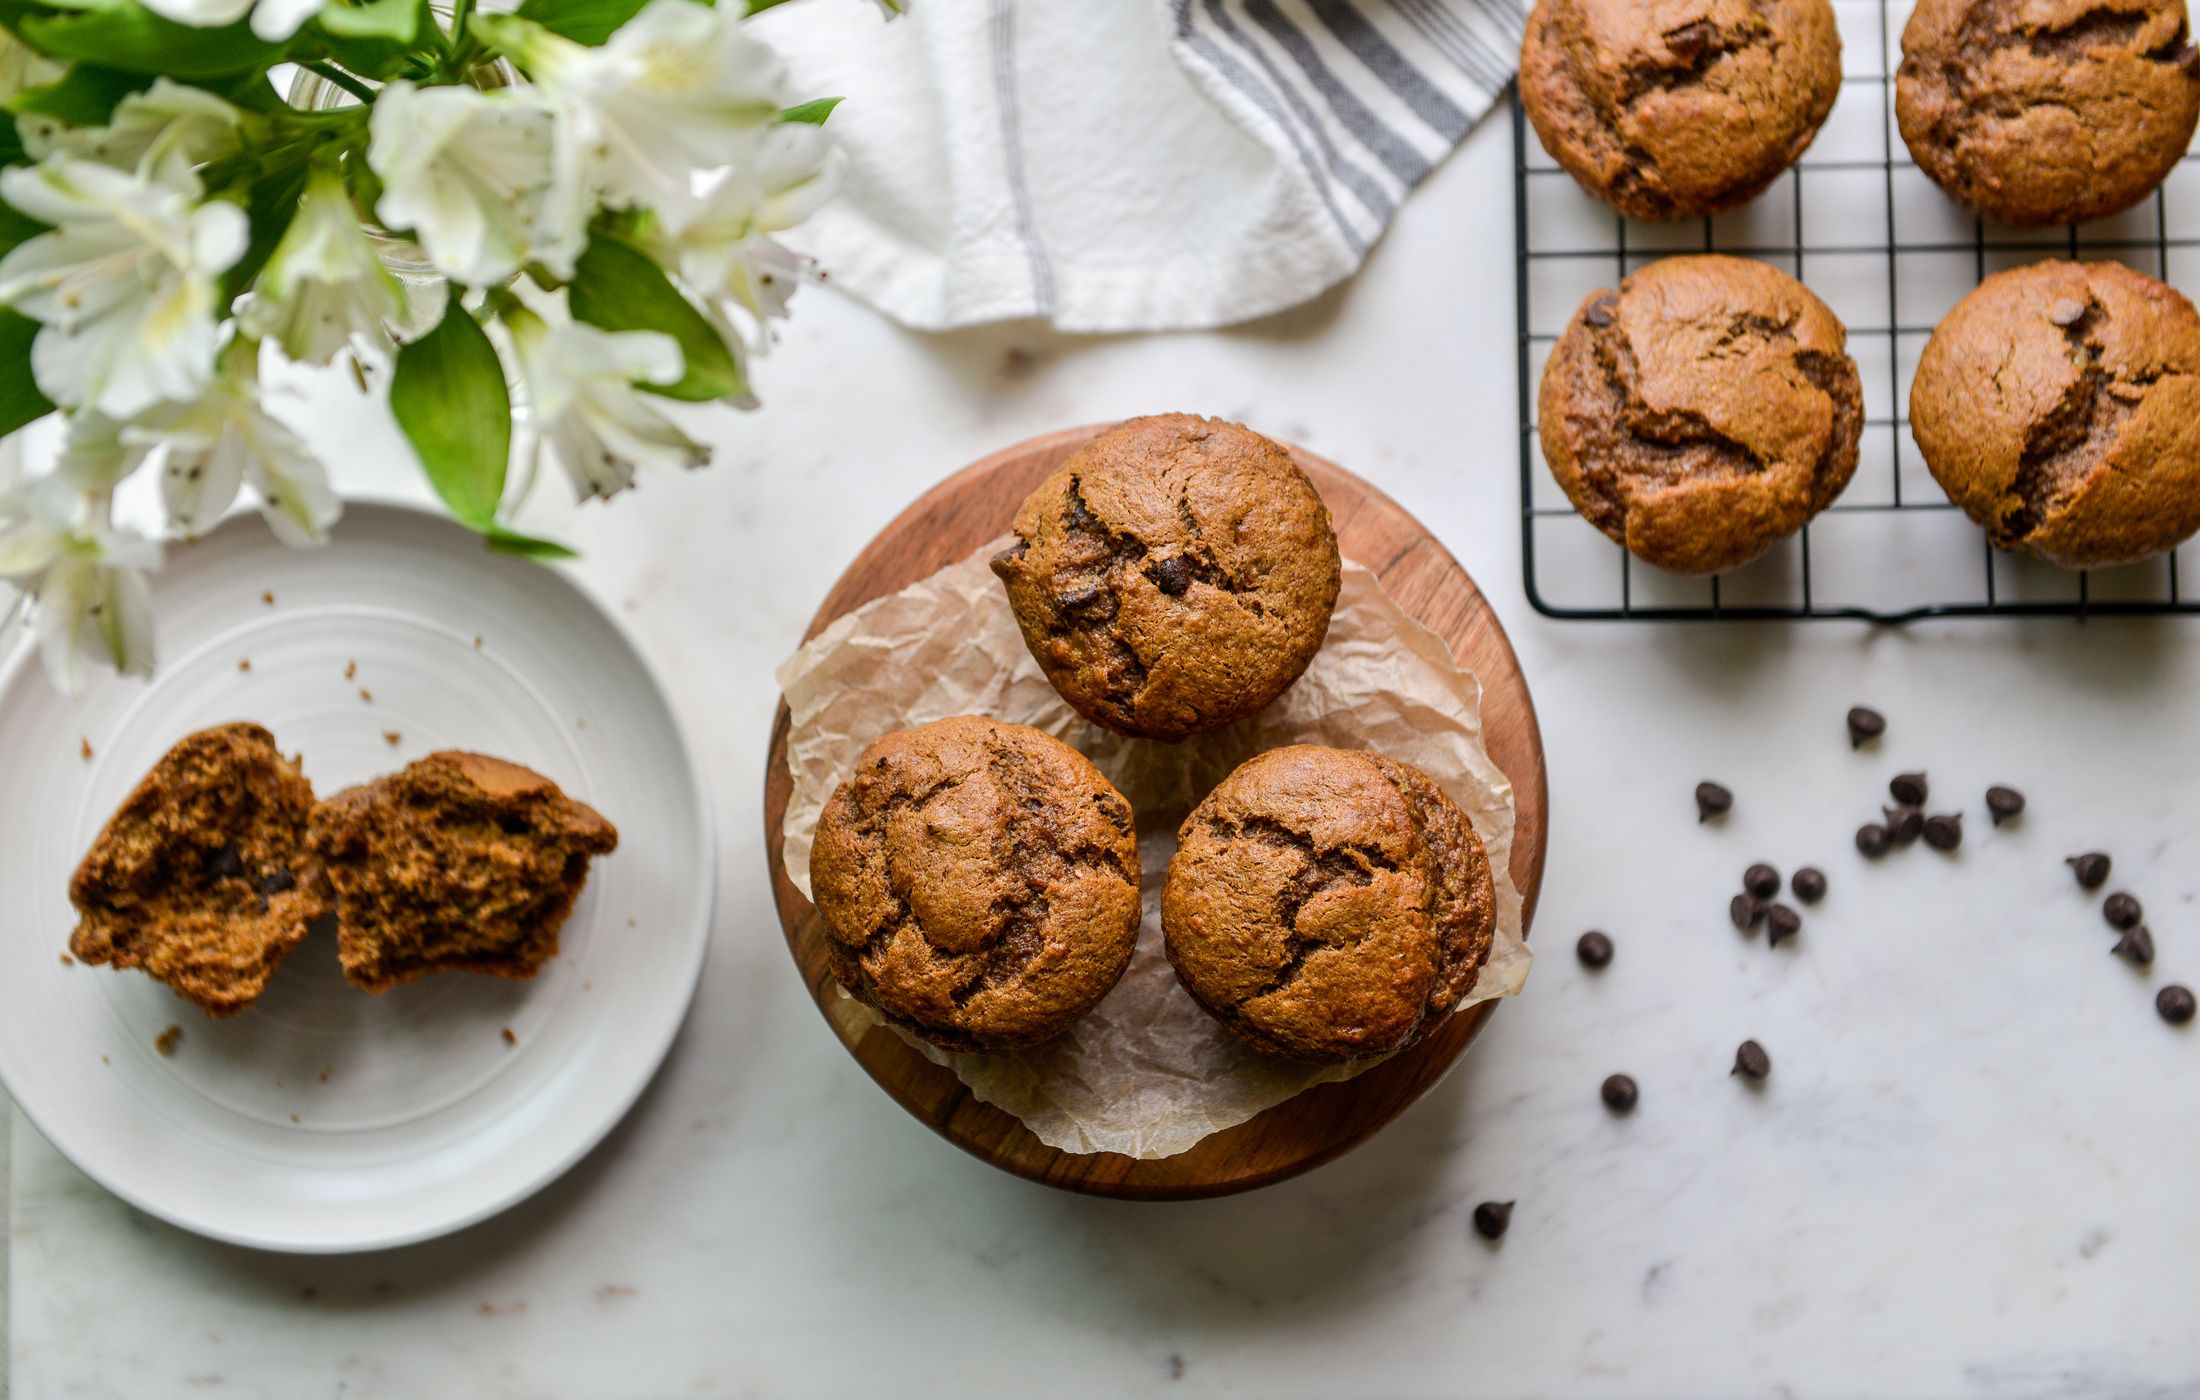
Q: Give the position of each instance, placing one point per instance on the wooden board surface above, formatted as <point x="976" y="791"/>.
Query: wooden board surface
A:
<point x="949" y="523"/>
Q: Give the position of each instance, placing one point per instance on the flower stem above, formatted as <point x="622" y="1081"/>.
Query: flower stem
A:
<point x="339" y="77"/>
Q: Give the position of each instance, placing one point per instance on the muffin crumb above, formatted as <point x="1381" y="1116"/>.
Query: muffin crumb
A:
<point x="166" y="1041"/>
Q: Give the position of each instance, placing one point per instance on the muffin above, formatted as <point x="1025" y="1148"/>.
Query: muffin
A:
<point x="978" y="882"/>
<point x="459" y="862"/>
<point x="201" y="877"/>
<point x="2047" y="113"/>
<point x="1326" y="905"/>
<point x="1702" y="412"/>
<point x="1173" y="576"/>
<point x="2059" y="405"/>
<point x="1681" y="107"/>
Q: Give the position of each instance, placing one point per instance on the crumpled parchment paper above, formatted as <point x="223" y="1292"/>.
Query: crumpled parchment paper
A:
<point x="1146" y="1073"/>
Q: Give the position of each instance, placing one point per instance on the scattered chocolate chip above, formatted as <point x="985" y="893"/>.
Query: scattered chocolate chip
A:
<point x="2090" y="868"/>
<point x="1172" y="575"/>
<point x="1761" y="880"/>
<point x="1873" y="840"/>
<point x="2121" y="910"/>
<point x="2067" y="312"/>
<point x="2175" y="1004"/>
<point x="225" y="862"/>
<point x="1491" y="1218"/>
<point x="1620" y="1093"/>
<point x="1904" y="824"/>
<point x="1746" y="911"/>
<point x="1865" y="725"/>
<point x="1809" y="884"/>
<point x="280" y="882"/>
<point x="1945" y="831"/>
<point x="2002" y="803"/>
<point x="1712" y="800"/>
<point x="2136" y="946"/>
<point x="1594" y="949"/>
<point x="1751" y="1061"/>
<point x="1782" y="922"/>
<point x="1908" y="789"/>
<point x="1598" y="313"/>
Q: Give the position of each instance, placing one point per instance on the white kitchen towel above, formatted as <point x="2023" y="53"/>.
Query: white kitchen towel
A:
<point x="1119" y="165"/>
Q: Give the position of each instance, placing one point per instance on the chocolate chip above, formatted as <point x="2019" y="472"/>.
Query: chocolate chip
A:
<point x="2067" y="312"/>
<point x="1620" y="1093"/>
<point x="1688" y="42"/>
<point x="1782" y="922"/>
<point x="2175" y="1004"/>
<point x="2002" y="803"/>
<point x="280" y="882"/>
<point x="1751" y="1061"/>
<point x="1904" y="824"/>
<point x="1945" y="831"/>
<point x="2090" y="868"/>
<point x="1761" y="880"/>
<point x="1908" y="789"/>
<point x="1594" y="949"/>
<point x="2121" y="910"/>
<point x="2136" y="946"/>
<point x="1491" y="1218"/>
<point x="1745" y="910"/>
<point x="2188" y="58"/>
<point x="1873" y="840"/>
<point x="1712" y="800"/>
<point x="1598" y="313"/>
<point x="1865" y="725"/>
<point x="225" y="863"/>
<point x="1809" y="884"/>
<point x="1172" y="575"/>
<point x="1081" y="599"/>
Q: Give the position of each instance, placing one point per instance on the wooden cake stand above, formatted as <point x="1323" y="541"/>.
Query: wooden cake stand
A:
<point x="949" y="523"/>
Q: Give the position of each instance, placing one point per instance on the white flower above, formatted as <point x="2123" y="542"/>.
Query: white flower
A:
<point x="95" y="453"/>
<point x="323" y="287"/>
<point x="723" y="246"/>
<point x="124" y="286"/>
<point x="272" y="20"/>
<point x="167" y="121"/>
<point x="678" y="89"/>
<point x="226" y="439"/>
<point x="468" y="174"/>
<point x="23" y="67"/>
<point x="582" y="401"/>
<point x="85" y="576"/>
<point x="276" y="20"/>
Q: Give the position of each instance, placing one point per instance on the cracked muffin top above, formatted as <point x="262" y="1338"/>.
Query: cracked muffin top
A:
<point x="2059" y="405"/>
<point x="979" y="883"/>
<point x="2047" y="111"/>
<point x="1702" y="412"/>
<point x="1326" y="905"/>
<point x="201" y="876"/>
<point x="1668" y="108"/>
<point x="1175" y="575"/>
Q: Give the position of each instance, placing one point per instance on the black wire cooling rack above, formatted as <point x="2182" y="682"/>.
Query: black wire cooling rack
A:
<point x="1860" y="223"/>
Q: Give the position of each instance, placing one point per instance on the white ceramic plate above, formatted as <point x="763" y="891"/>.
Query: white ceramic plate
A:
<point x="321" y="1118"/>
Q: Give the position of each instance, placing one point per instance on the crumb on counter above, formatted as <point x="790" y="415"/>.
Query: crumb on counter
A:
<point x="293" y="1117"/>
<point x="326" y="1071"/>
<point x="615" y="1290"/>
<point x="630" y="923"/>
<point x="351" y="670"/>
<point x="84" y="747"/>
<point x="105" y="1061"/>
<point x="393" y="737"/>
<point x="67" y="961"/>
<point x="268" y="597"/>
<point x="366" y="695"/>
<point x="477" y="641"/>
<point x="245" y="664"/>
<point x="165" y="1042"/>
<point x="509" y="1038"/>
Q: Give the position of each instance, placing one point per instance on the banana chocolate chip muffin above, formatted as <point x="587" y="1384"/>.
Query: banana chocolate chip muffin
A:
<point x="2047" y="111"/>
<point x="201" y="876"/>
<point x="978" y="882"/>
<point x="1173" y="576"/>
<point x="458" y="862"/>
<point x="1678" y="107"/>
<point x="1703" y="411"/>
<point x="2059" y="405"/>
<point x="1326" y="905"/>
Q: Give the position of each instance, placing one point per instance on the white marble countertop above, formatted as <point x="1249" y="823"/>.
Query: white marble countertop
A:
<point x="1971" y="1172"/>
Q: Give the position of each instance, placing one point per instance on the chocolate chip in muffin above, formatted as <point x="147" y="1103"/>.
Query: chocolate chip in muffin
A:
<point x="1662" y="119"/>
<point x="1761" y="880"/>
<point x="1620" y="1093"/>
<point x="1809" y="884"/>
<point x="1712" y="800"/>
<point x="2122" y="910"/>
<point x="1751" y="1061"/>
<point x="2090" y="869"/>
<point x="1865" y="725"/>
<point x="1714" y="416"/>
<point x="1594" y="949"/>
<point x="2002" y="803"/>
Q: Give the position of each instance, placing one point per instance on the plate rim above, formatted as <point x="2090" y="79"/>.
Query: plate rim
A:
<point x="24" y="653"/>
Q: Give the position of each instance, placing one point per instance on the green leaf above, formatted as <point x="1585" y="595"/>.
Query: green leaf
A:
<point x="129" y="38"/>
<point x="814" y="113"/>
<point x="587" y="22"/>
<point x="617" y="287"/>
<point x="268" y="209"/>
<point x="448" y="395"/>
<point x="84" y="96"/>
<point x="758" y="6"/>
<point x="505" y="541"/>
<point x="20" y="401"/>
